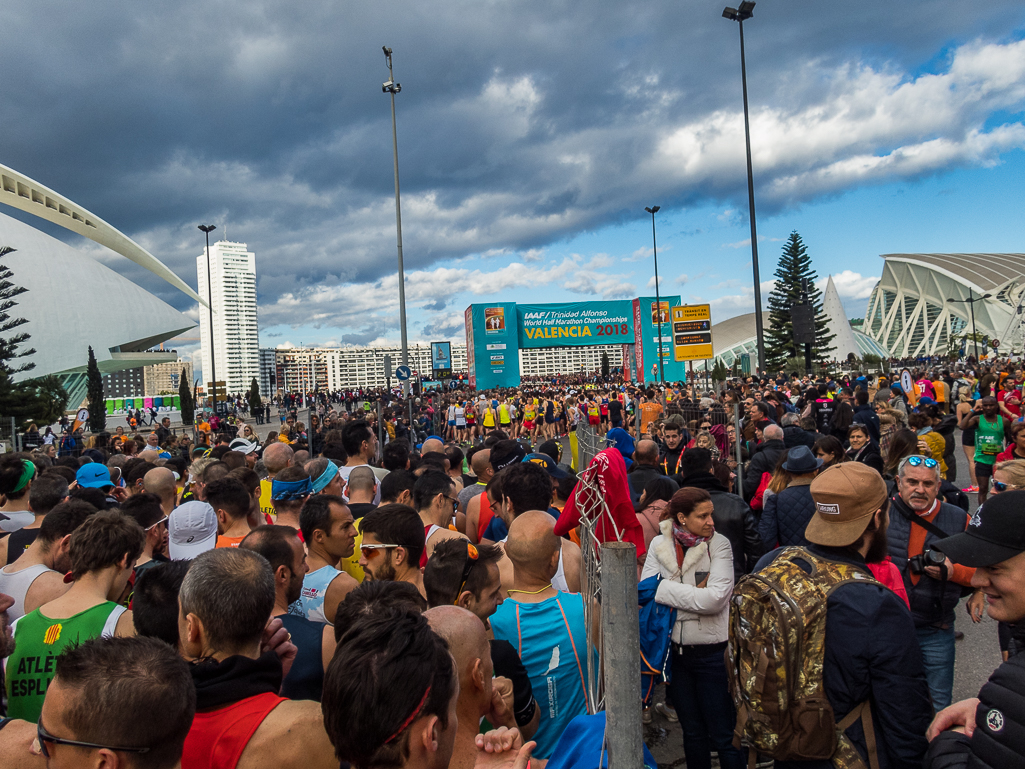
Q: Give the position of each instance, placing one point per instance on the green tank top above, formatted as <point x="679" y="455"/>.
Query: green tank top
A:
<point x="39" y="640"/>
<point x="989" y="440"/>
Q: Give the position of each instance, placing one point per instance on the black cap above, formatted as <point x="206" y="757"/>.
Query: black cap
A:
<point x="995" y="533"/>
<point x="505" y="453"/>
<point x="549" y="465"/>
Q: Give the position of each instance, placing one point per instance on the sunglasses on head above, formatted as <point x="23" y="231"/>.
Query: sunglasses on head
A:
<point x="471" y="559"/>
<point x="917" y="459"/>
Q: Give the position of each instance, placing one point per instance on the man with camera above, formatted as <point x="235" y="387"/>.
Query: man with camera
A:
<point x="934" y="585"/>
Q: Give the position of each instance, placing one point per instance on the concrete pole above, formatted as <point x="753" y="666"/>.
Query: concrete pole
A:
<point x="621" y="643"/>
<point x="740" y="464"/>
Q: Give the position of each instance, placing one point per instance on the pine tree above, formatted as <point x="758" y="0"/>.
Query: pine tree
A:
<point x="17" y="399"/>
<point x="185" y="399"/>
<point x="94" y="394"/>
<point x="255" y="401"/>
<point x="793" y="268"/>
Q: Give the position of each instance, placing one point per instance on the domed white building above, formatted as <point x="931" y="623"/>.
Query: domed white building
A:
<point x="73" y="301"/>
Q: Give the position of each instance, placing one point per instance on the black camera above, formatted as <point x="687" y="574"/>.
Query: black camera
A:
<point x="918" y="563"/>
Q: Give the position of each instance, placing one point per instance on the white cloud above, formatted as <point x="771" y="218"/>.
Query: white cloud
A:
<point x="681" y="279"/>
<point x="651" y="282"/>
<point x="850" y="284"/>
<point x="534" y="255"/>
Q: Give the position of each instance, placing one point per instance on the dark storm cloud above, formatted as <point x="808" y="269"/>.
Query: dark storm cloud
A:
<point x="519" y="124"/>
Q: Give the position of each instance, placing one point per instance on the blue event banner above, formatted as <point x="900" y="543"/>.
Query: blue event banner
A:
<point x="574" y="324"/>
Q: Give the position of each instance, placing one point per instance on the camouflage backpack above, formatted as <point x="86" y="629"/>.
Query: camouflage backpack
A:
<point x="775" y="659"/>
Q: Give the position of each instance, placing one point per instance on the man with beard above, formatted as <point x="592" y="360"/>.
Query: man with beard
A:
<point x="281" y="546"/>
<point x="393" y="541"/>
<point x="871" y="652"/>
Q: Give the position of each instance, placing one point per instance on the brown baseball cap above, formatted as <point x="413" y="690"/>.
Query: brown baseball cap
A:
<point x="846" y="497"/>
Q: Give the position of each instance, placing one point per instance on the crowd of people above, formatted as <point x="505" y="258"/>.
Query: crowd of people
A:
<point x="343" y="593"/>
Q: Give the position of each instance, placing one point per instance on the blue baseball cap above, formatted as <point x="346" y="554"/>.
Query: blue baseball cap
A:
<point x="93" y="476"/>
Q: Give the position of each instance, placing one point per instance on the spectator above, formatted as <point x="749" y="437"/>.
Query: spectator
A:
<point x="787" y="513"/>
<point x="763" y="459"/>
<point x="862" y="448"/>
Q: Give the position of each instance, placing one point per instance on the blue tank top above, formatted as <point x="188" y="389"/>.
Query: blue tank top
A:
<point x="551" y="639"/>
<point x="305" y="681"/>
<point x="311" y="604"/>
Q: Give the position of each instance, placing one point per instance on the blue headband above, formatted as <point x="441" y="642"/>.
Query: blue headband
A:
<point x="284" y="491"/>
<point x="325" y="477"/>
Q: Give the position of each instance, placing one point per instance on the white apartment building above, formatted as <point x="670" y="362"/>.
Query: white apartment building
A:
<point x="549" y="361"/>
<point x="165" y="378"/>
<point x="344" y="368"/>
<point x="235" y="343"/>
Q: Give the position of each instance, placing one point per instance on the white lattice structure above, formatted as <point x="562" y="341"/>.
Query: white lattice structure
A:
<point x="908" y="312"/>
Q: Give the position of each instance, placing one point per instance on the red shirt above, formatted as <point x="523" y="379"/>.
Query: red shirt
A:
<point x="218" y="737"/>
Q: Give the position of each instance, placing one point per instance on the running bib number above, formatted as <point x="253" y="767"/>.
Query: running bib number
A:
<point x="989" y="444"/>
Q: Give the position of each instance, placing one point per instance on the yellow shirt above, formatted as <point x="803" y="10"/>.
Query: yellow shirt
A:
<point x="265" y="504"/>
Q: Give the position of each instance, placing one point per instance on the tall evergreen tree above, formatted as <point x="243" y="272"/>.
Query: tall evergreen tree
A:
<point x="188" y="408"/>
<point x="17" y="399"/>
<point x="94" y="394"/>
<point x="794" y="267"/>
<point x="605" y="367"/>
<point x="255" y="401"/>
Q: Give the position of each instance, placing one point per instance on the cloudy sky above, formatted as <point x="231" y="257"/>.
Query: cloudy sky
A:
<point x="531" y="137"/>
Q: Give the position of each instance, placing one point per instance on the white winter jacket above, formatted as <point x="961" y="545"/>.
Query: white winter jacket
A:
<point x="703" y="613"/>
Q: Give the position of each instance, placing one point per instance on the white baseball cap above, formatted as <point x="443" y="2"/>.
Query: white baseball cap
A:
<point x="191" y="530"/>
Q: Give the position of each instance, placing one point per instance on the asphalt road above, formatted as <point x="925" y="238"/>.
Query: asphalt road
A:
<point x="978" y="654"/>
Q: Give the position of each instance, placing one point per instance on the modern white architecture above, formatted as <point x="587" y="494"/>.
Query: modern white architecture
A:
<point x="844" y="342"/>
<point x="918" y="306"/>
<point x="236" y="344"/>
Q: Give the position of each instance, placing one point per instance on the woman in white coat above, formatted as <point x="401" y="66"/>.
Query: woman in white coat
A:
<point x="696" y="566"/>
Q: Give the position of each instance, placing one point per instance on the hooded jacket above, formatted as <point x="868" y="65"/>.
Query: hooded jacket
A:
<point x="763" y="460"/>
<point x="703" y="613"/>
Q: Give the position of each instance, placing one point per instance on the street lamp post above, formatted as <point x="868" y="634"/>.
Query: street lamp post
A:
<point x="740" y="15"/>
<point x="658" y="299"/>
<point x="391" y="87"/>
<point x="207" y="229"/>
<point x="970" y="301"/>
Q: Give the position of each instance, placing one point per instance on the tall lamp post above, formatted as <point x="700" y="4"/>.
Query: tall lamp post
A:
<point x="740" y="15"/>
<point x="970" y="301"/>
<point x="391" y="87"/>
<point x="207" y="229"/>
<point x="658" y="299"/>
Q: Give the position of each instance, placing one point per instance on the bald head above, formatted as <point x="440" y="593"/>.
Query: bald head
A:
<point x="432" y="444"/>
<point x="480" y="463"/>
<point x="532" y="542"/>
<point x="773" y="433"/>
<point x="464" y="632"/>
<point x="646" y="453"/>
<point x="160" y="481"/>
<point x="277" y="457"/>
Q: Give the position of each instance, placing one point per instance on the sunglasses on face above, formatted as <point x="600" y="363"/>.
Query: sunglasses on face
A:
<point x="43" y="737"/>
<point x="369" y="551"/>
<point x="999" y="486"/>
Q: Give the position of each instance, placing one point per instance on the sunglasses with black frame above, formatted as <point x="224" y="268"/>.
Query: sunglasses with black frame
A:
<point x="43" y="737"/>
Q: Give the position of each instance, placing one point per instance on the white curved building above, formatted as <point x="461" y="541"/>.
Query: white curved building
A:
<point x="72" y="301"/>
<point x="919" y="302"/>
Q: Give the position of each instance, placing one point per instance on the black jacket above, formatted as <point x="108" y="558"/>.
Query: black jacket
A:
<point x="932" y="601"/>
<point x="867" y="416"/>
<point x="763" y="460"/>
<point x="999" y="739"/>
<point x="872" y="653"/>
<point x="868" y="455"/>
<point x="638" y="478"/>
<point x="794" y="435"/>
<point x="732" y="518"/>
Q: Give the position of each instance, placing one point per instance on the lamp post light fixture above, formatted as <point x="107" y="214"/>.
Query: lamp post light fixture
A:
<point x="970" y="301"/>
<point x="391" y="87"/>
<point x="740" y="15"/>
<point x="658" y="299"/>
<point x="207" y="229"/>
